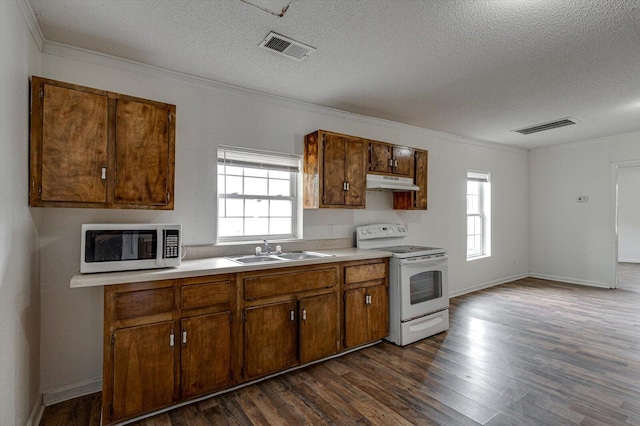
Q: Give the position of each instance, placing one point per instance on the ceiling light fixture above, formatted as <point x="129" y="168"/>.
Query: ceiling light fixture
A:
<point x="275" y="7"/>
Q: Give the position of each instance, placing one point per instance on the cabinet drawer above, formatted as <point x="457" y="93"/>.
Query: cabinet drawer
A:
<point x="274" y="285"/>
<point x="144" y="302"/>
<point x="360" y="273"/>
<point x="205" y="294"/>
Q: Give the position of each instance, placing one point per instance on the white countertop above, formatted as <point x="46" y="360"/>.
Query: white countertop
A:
<point x="218" y="265"/>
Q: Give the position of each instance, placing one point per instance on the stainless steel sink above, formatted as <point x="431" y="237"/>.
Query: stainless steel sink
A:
<point x="256" y="259"/>
<point x="303" y="255"/>
<point x="282" y="257"/>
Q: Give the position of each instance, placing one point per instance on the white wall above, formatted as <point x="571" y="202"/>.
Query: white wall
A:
<point x="209" y="115"/>
<point x="629" y="214"/>
<point x="571" y="241"/>
<point x="19" y="280"/>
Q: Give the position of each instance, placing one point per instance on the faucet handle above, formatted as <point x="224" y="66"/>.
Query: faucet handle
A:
<point x="278" y="249"/>
<point x="258" y="251"/>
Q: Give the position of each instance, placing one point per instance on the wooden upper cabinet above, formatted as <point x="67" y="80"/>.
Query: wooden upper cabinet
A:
<point x="334" y="171"/>
<point x="69" y="138"/>
<point x="143" y="151"/>
<point x="415" y="200"/>
<point x="391" y="159"/>
<point x="97" y="149"/>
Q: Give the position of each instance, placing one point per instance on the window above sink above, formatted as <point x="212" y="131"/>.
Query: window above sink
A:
<point x="258" y="195"/>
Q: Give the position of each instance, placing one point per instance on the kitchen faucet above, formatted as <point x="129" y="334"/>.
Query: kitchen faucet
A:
<point x="266" y="245"/>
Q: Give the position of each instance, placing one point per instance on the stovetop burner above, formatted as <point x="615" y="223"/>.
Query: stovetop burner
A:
<point x="390" y="237"/>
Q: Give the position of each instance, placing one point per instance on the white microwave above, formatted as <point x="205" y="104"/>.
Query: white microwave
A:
<point x="110" y="247"/>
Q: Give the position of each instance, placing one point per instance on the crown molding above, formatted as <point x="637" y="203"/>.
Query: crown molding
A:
<point x="32" y="23"/>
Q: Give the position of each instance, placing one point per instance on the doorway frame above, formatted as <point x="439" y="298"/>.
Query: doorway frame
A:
<point x="615" y="167"/>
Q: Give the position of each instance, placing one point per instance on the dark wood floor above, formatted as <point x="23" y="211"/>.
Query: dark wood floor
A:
<point x="531" y="352"/>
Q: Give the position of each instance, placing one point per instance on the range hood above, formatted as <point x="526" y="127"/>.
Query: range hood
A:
<point x="390" y="183"/>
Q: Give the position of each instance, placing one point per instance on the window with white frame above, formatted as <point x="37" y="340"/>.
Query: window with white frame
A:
<point x="478" y="215"/>
<point x="257" y="195"/>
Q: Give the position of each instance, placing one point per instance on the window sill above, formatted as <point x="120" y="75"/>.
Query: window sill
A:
<point x="483" y="256"/>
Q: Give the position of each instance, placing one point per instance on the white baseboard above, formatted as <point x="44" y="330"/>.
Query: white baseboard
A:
<point x="488" y="284"/>
<point x="71" y="390"/>
<point x="628" y="260"/>
<point x="36" y="413"/>
<point x="570" y="280"/>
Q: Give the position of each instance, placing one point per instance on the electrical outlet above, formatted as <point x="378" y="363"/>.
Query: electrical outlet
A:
<point x="330" y="229"/>
<point x="583" y="199"/>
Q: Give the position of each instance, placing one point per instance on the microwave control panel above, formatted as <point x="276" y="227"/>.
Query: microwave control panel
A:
<point x="171" y="239"/>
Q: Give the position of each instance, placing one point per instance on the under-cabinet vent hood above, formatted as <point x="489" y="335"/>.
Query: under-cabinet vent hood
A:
<point x="390" y="183"/>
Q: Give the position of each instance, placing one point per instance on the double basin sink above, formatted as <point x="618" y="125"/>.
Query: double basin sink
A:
<point x="281" y="257"/>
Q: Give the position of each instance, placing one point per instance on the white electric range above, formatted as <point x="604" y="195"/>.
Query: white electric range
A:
<point x="418" y="283"/>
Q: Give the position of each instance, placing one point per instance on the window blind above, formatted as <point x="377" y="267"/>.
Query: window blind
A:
<point x="477" y="176"/>
<point x="245" y="157"/>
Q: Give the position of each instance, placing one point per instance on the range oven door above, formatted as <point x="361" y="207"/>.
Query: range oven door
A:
<point x="424" y="286"/>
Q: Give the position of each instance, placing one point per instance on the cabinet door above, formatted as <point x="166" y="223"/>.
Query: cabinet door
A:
<point x="355" y="317"/>
<point x="143" y="148"/>
<point x="333" y="170"/>
<point x="402" y="161"/>
<point x="421" y="168"/>
<point x="143" y="369"/>
<point x="206" y="353"/>
<point x="355" y="173"/>
<point x="318" y="318"/>
<point x="378" y="312"/>
<point x="379" y="157"/>
<point x="270" y="339"/>
<point x="74" y="145"/>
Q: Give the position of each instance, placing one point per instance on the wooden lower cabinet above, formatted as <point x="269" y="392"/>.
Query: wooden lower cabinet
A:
<point x="366" y="313"/>
<point x="170" y="341"/>
<point x="318" y="327"/>
<point x="205" y="354"/>
<point x="286" y="334"/>
<point x="290" y="318"/>
<point x="366" y="302"/>
<point x="143" y="369"/>
<point x="270" y="339"/>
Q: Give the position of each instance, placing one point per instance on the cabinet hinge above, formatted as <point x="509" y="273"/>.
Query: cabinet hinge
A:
<point x="39" y="191"/>
<point x="42" y="93"/>
<point x="242" y="317"/>
<point x="168" y="197"/>
<point x="169" y="116"/>
<point x="242" y="372"/>
<point x="111" y="413"/>
<point x="113" y="339"/>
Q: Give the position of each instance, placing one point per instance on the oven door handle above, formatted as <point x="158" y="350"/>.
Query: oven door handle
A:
<point x="423" y="260"/>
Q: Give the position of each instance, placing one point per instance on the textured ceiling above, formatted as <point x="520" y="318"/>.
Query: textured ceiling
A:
<point x="475" y="68"/>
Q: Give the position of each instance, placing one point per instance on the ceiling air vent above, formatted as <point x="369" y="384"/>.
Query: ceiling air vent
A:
<point x="547" y="126"/>
<point x="287" y="47"/>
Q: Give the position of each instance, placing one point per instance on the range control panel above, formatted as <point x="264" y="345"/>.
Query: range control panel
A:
<point x="371" y="232"/>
